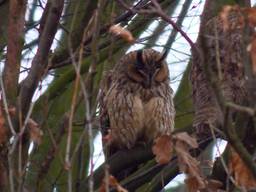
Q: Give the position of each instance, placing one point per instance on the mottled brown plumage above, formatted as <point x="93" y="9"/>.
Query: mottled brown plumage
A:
<point x="136" y="101"/>
<point x="223" y="51"/>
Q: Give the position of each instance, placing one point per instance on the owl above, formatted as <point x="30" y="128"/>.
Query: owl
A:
<point x="136" y="100"/>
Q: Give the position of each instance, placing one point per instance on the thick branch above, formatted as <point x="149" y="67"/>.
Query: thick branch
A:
<point x="14" y="48"/>
<point x="120" y="161"/>
<point x="157" y="174"/>
<point x="40" y="61"/>
<point x="228" y="127"/>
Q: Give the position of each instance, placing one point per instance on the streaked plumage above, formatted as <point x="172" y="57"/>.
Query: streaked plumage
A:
<point x="223" y="48"/>
<point x="136" y="102"/>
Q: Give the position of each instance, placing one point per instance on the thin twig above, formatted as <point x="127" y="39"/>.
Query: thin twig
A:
<point x="236" y="143"/>
<point x="221" y="157"/>
<point x="18" y="136"/>
<point x="11" y="175"/>
<point x="6" y="107"/>
<point x="156" y="9"/>
<point x="217" y="49"/>
<point x="248" y="110"/>
<point x="68" y="165"/>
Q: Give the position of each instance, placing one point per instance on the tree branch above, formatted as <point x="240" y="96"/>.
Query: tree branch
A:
<point x="40" y="61"/>
<point x="120" y="161"/>
<point x="14" y="48"/>
<point x="229" y="128"/>
<point x="127" y="158"/>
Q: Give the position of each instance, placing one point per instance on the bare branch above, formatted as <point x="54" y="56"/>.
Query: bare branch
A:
<point x="159" y="12"/>
<point x="39" y="63"/>
<point x="14" y="48"/>
<point x="241" y="108"/>
<point x="155" y="9"/>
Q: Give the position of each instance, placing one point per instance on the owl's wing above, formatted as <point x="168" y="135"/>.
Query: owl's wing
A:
<point x="104" y="88"/>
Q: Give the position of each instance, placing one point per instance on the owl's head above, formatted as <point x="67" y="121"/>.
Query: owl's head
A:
<point x="148" y="67"/>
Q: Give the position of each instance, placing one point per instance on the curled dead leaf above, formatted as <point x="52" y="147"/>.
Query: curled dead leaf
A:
<point x="193" y="184"/>
<point x="214" y="185"/>
<point x="187" y="163"/>
<point x="224" y="16"/>
<point x="253" y="54"/>
<point x="242" y="174"/>
<point x="251" y="15"/>
<point x="163" y="149"/>
<point x="35" y="132"/>
<point x="186" y="138"/>
<point x="3" y="130"/>
<point x="112" y="182"/>
<point x="12" y="111"/>
<point x="124" y="33"/>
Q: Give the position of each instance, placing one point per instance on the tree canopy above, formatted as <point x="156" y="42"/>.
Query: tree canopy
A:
<point x="53" y="56"/>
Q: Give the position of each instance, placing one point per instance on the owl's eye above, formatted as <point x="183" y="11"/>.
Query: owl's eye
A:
<point x="158" y="65"/>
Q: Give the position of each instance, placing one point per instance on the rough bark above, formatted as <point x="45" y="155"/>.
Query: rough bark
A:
<point x="218" y="79"/>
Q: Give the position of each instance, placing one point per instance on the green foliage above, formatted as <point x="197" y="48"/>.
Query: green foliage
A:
<point x="183" y="102"/>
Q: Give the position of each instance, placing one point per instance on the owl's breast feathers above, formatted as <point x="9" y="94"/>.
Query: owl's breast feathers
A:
<point x="138" y="114"/>
<point x="130" y="111"/>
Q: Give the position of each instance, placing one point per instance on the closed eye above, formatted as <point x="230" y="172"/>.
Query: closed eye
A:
<point x="157" y="70"/>
<point x="142" y="73"/>
<point x="158" y="65"/>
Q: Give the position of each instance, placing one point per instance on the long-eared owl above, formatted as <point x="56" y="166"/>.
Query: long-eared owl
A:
<point x="136" y="102"/>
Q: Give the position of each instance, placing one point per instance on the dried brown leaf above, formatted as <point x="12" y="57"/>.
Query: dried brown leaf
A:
<point x="124" y="33"/>
<point x="189" y="165"/>
<point x="35" y="132"/>
<point x="242" y="174"/>
<point x="253" y="54"/>
<point x="163" y="149"/>
<point x="224" y="16"/>
<point x="112" y="181"/>
<point x="193" y="184"/>
<point x="214" y="185"/>
<point x="102" y="187"/>
<point x="3" y="130"/>
<point x="183" y="136"/>
<point x="251" y="15"/>
<point x="12" y="111"/>
<point x="227" y="17"/>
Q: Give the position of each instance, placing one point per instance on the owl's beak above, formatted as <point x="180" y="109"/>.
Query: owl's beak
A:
<point x="147" y="82"/>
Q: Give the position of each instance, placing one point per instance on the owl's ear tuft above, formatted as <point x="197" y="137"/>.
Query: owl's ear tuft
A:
<point x="139" y="60"/>
<point x="163" y="56"/>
